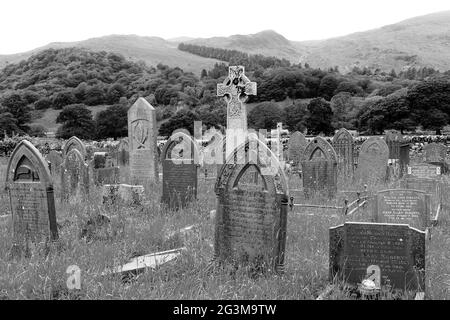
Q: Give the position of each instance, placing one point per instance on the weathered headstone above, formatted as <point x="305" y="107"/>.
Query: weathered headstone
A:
<point x="236" y="87"/>
<point x="74" y="175"/>
<point x="404" y="158"/>
<point x="250" y="222"/>
<point x="430" y="186"/>
<point x="123" y="153"/>
<point x="403" y="206"/>
<point x="394" y="140"/>
<point x="396" y="251"/>
<point x="104" y="170"/>
<point x="180" y="159"/>
<point x="55" y="159"/>
<point x="122" y="193"/>
<point x="30" y="187"/>
<point x="372" y="161"/>
<point x="75" y="143"/>
<point x="319" y="168"/>
<point x="296" y="146"/>
<point x="436" y="153"/>
<point x="344" y="146"/>
<point x="142" y="134"/>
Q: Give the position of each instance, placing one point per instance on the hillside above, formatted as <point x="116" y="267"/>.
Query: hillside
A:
<point x="151" y="50"/>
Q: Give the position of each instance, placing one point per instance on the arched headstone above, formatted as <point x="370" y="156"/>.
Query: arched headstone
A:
<point x="296" y="147"/>
<point x="74" y="175"/>
<point x="250" y="224"/>
<point x="75" y="143"/>
<point x="372" y="161"/>
<point x="180" y="157"/>
<point x="319" y="168"/>
<point x="344" y="146"/>
<point x="30" y="187"/>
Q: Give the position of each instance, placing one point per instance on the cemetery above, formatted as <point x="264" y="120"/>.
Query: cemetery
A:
<point x="329" y="218"/>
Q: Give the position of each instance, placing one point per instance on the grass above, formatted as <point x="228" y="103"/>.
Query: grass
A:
<point x="141" y="230"/>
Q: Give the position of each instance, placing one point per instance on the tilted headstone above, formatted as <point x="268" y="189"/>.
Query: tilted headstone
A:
<point x="372" y="161"/>
<point x="30" y="187"/>
<point x="319" y="168"/>
<point x="55" y="159"/>
<point x="74" y="175"/>
<point x="142" y="134"/>
<point x="344" y="146"/>
<point x="180" y="158"/>
<point x="403" y="206"/>
<point x="296" y="147"/>
<point x="395" y="251"/>
<point x="236" y="88"/>
<point x="250" y="222"/>
<point x="75" y="143"/>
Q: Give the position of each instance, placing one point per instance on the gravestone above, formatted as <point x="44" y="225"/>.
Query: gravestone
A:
<point x="180" y="157"/>
<point x="212" y="154"/>
<point x="30" y="187"/>
<point x="319" y="168"/>
<point x="394" y="140"/>
<point x="75" y="143"/>
<point x="403" y="206"/>
<point x="430" y="186"/>
<point x="125" y="194"/>
<point x="296" y="146"/>
<point x="372" y="161"/>
<point x="55" y="159"/>
<point x="236" y="88"/>
<point x="251" y="217"/>
<point x="344" y="146"/>
<point x="404" y="158"/>
<point x="123" y="153"/>
<point x="396" y="250"/>
<point x="142" y="134"/>
<point x="104" y="170"/>
<point x="436" y="153"/>
<point x="74" y="175"/>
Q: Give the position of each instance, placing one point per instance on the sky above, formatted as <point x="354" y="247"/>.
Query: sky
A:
<point x="27" y="24"/>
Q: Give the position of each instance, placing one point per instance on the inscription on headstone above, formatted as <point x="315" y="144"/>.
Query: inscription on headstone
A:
<point x="30" y="189"/>
<point x="398" y="251"/>
<point x="142" y="142"/>
<point x="403" y="206"/>
<point x="179" y="161"/>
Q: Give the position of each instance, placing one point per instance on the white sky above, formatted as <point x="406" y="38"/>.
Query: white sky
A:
<point x="27" y="24"/>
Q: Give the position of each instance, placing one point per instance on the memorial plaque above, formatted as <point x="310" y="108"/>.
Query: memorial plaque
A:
<point x="180" y="159"/>
<point x="372" y="161"/>
<point x="344" y="146"/>
<point x="75" y="143"/>
<point x="74" y="175"/>
<point x="250" y="224"/>
<point x="30" y="188"/>
<point x="424" y="170"/>
<point x="142" y="134"/>
<point x="396" y="250"/>
<point x="403" y="206"/>
<point x="319" y="168"/>
<point x="296" y="147"/>
<point x="55" y="159"/>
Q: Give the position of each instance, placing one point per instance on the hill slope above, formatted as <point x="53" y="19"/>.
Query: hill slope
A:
<point x="152" y="50"/>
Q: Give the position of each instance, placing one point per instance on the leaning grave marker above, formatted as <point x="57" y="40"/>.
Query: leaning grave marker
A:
<point x="180" y="157"/>
<point x="30" y="187"/>
<point x="250" y="225"/>
<point x="403" y="206"/>
<point x="142" y="134"/>
<point x="396" y="251"/>
<point x="319" y="168"/>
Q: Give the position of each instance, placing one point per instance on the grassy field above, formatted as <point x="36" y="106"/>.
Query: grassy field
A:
<point x="141" y="230"/>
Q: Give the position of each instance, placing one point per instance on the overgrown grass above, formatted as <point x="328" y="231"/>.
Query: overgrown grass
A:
<point x="141" y="230"/>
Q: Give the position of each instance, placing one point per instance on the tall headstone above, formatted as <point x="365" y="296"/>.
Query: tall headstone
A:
<point x="180" y="157"/>
<point x="74" y="175"/>
<point x="372" y="161"/>
<point x="296" y="147"/>
<point x="250" y="226"/>
<point x="395" y="251"/>
<point x="344" y="146"/>
<point x="403" y="206"/>
<point x="236" y="87"/>
<point x="319" y="168"/>
<point x="30" y="187"/>
<point x="142" y="135"/>
<point x="75" y="143"/>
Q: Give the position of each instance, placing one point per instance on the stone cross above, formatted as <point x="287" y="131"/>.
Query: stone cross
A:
<point x="236" y="87"/>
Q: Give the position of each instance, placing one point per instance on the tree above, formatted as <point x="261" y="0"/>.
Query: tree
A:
<point x="320" y="116"/>
<point x="8" y="123"/>
<point x="327" y="86"/>
<point x="295" y="116"/>
<point x="62" y="99"/>
<point x="16" y="105"/>
<point x="76" y="120"/>
<point x="115" y="92"/>
<point x="183" y="119"/>
<point x="265" y="116"/>
<point x="94" y="96"/>
<point x="112" y="122"/>
<point x="351" y="87"/>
